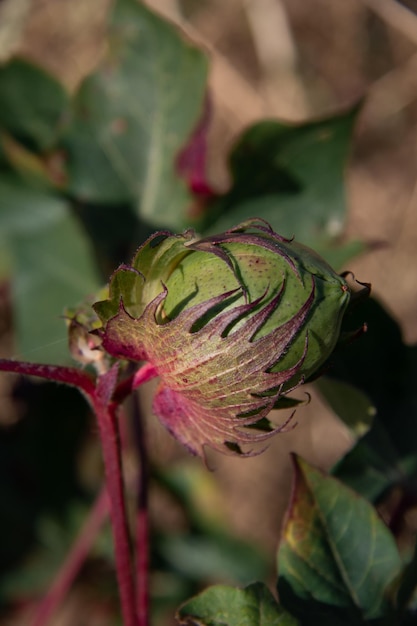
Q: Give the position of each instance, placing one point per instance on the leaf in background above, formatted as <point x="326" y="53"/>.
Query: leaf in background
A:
<point x="227" y="606"/>
<point x="33" y="105"/>
<point x="335" y="549"/>
<point x="197" y="491"/>
<point x="39" y="466"/>
<point x="213" y="556"/>
<point x="208" y="550"/>
<point x="368" y="472"/>
<point x="293" y="177"/>
<point x="385" y="369"/>
<point x="192" y="160"/>
<point x="134" y="115"/>
<point x="349" y="403"/>
<point x="41" y="170"/>
<point x="54" y="540"/>
<point x="406" y="587"/>
<point x="52" y="263"/>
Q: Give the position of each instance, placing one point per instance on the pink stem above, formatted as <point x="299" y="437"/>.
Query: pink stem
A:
<point x="143" y="375"/>
<point x="125" y="388"/>
<point x="59" y="374"/>
<point x="74" y="560"/>
<point x="104" y="396"/>
<point x="110" y="441"/>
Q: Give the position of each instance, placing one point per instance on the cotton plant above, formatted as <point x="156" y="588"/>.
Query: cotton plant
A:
<point x="230" y="324"/>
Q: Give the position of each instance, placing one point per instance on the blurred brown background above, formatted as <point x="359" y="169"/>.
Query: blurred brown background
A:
<point x="294" y="60"/>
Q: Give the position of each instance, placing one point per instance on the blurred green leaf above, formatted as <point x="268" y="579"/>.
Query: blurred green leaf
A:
<point x="38" y="169"/>
<point x="367" y="471"/>
<point x="293" y="177"/>
<point x="338" y="253"/>
<point x="227" y="606"/>
<point x="133" y="116"/>
<point x="52" y="266"/>
<point x="208" y="551"/>
<point x="54" y="540"/>
<point x="385" y="369"/>
<point x="335" y="549"/>
<point x="198" y="493"/>
<point x="406" y="593"/>
<point x="213" y="556"/>
<point x="33" y="105"/>
<point x="349" y="403"/>
<point x="39" y="472"/>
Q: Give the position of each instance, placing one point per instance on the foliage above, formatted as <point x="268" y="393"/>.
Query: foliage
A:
<point x="84" y="179"/>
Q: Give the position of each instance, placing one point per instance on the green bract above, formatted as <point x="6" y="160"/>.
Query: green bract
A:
<point x="231" y="323"/>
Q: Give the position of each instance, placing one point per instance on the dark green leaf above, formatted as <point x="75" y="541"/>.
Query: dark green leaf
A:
<point x="227" y="606"/>
<point x="335" y="549"/>
<point x="134" y="114"/>
<point x="349" y="403"/>
<point x="385" y="369"/>
<point x="407" y="585"/>
<point x="54" y="540"/>
<point x="33" y="105"/>
<point x="39" y="469"/>
<point x="52" y="267"/>
<point x="292" y="176"/>
<point x="367" y="471"/>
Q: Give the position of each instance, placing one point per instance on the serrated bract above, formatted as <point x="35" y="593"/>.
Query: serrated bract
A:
<point x="231" y="323"/>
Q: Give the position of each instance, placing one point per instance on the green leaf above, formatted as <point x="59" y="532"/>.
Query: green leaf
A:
<point x="33" y="105"/>
<point x="227" y="606"/>
<point x="209" y="550"/>
<point x="292" y="176"/>
<point x="406" y="595"/>
<point x="350" y="404"/>
<point x="367" y="471"/>
<point x="385" y="369"/>
<point x="52" y="266"/>
<point x="213" y="556"/>
<point x="134" y="114"/>
<point x="55" y="537"/>
<point x="336" y="253"/>
<point x="335" y="549"/>
<point x="40" y="456"/>
<point x="36" y="169"/>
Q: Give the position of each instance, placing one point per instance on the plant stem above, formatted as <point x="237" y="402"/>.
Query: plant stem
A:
<point x="56" y="373"/>
<point x="74" y="560"/>
<point x="110" y="441"/>
<point x="127" y="386"/>
<point x="142" y="521"/>
<point x="105" y="397"/>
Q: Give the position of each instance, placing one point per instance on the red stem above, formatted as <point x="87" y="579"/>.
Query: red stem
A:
<point x="125" y="387"/>
<point x="143" y="375"/>
<point x="74" y="560"/>
<point x="105" y="396"/>
<point x="59" y="374"/>
<point x="142" y="521"/>
<point x="110" y="441"/>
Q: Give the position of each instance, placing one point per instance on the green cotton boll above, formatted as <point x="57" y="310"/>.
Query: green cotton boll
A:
<point x="230" y="322"/>
<point x="203" y="275"/>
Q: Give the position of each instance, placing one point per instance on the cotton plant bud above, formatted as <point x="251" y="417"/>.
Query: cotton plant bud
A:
<point x="230" y="322"/>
